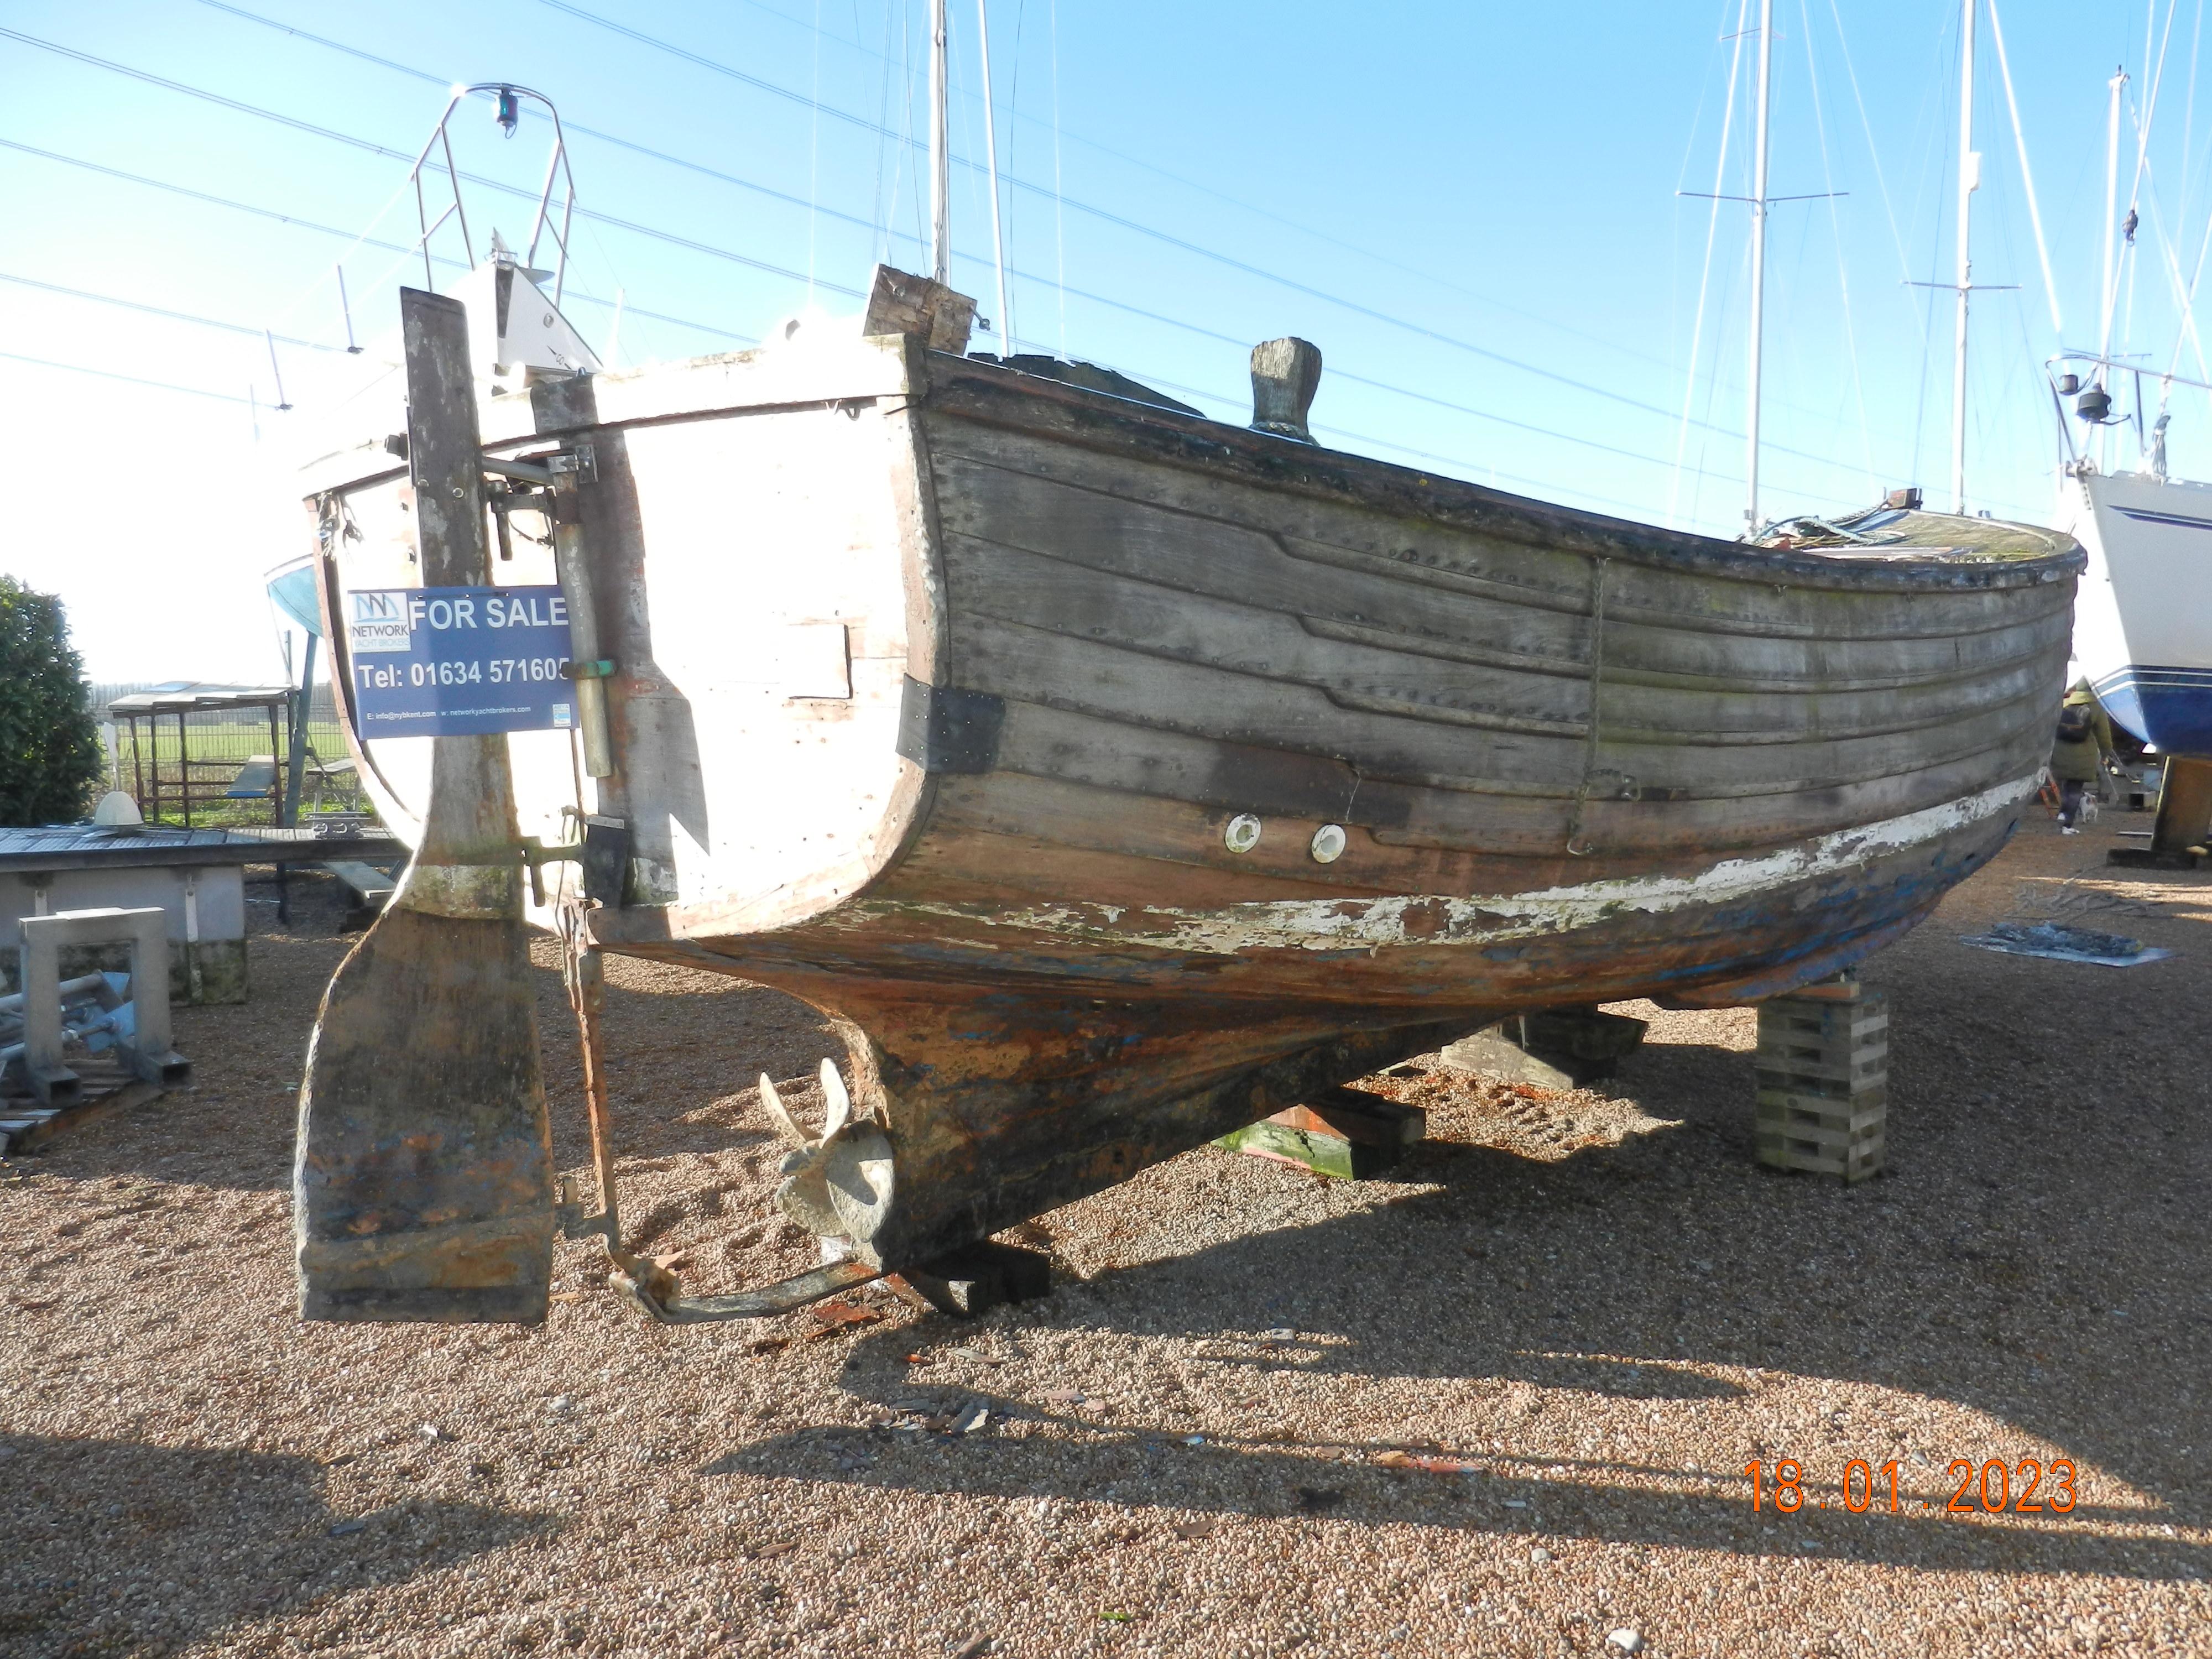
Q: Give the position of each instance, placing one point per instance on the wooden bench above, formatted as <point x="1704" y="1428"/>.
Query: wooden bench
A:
<point x="256" y="779"/>
<point x="367" y="887"/>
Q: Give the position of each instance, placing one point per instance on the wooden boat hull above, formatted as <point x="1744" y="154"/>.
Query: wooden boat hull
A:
<point x="948" y="697"/>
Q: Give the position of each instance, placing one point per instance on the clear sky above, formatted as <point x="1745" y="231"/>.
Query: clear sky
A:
<point x="1473" y="208"/>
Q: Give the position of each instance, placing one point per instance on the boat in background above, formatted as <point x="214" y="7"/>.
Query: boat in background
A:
<point x="2142" y="630"/>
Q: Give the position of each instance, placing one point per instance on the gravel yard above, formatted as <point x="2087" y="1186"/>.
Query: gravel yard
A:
<point x="1501" y="1403"/>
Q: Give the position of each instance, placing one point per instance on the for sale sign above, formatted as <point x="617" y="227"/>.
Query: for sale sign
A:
<point x="447" y="662"/>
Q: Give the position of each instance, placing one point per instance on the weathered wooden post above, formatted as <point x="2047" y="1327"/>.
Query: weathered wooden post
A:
<point x="1285" y="374"/>
<point x="2183" y="824"/>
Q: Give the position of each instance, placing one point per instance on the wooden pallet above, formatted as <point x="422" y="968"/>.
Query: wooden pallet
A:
<point x="104" y="1087"/>
<point x="1823" y="1079"/>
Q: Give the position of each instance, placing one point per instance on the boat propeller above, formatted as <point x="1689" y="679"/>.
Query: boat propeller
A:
<point x="837" y="1184"/>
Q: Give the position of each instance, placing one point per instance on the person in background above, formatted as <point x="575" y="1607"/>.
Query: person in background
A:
<point x="2080" y="752"/>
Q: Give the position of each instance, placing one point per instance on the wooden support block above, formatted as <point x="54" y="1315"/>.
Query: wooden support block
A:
<point x="2184" y="807"/>
<point x="1552" y="1048"/>
<point x="1354" y="1115"/>
<point x="1820" y="1136"/>
<point x="1322" y="1153"/>
<point x="1822" y="1067"/>
<point x="980" y="1277"/>
<point x="1348" y="1133"/>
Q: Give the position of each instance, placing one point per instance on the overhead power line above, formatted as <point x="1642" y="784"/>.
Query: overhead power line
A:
<point x="638" y="310"/>
<point x="131" y="380"/>
<point x="374" y="149"/>
<point x="294" y="220"/>
<point x="653" y="232"/>
<point x="866" y="124"/>
<point x="1364" y="251"/>
<point x="703" y="169"/>
<point x="1108" y="217"/>
<point x="163" y="311"/>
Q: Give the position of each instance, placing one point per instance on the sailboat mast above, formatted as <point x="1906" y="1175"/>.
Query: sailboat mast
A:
<point x="991" y="160"/>
<point x="1757" y="271"/>
<point x="940" y="152"/>
<point x="1970" y="171"/>
<point x="2112" y="293"/>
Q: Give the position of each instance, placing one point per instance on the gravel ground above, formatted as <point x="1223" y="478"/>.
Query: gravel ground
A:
<point x="1500" y="1404"/>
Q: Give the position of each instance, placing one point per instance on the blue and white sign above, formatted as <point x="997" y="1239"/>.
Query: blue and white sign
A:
<point x="451" y="662"/>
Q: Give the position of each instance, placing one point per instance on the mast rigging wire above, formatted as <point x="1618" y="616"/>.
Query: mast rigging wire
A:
<point x="2028" y="178"/>
<point x="1704" y="275"/>
<point x="1836" y="235"/>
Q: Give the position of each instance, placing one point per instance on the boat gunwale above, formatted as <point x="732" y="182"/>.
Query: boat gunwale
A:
<point x="991" y="394"/>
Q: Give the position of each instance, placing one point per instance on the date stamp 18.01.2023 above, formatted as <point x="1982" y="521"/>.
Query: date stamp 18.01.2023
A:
<point x="1991" y="1487"/>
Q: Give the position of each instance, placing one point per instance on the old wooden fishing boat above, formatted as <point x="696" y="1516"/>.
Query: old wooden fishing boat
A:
<point x="1117" y="776"/>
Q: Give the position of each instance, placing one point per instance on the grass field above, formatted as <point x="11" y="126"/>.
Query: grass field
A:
<point x="219" y="753"/>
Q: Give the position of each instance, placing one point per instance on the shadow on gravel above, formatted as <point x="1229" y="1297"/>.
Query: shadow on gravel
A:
<point x="2032" y="1256"/>
<point x="117" y="1546"/>
<point x="1136" y="1469"/>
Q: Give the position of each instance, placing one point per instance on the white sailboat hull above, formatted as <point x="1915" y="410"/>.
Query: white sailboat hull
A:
<point x="2142" y="618"/>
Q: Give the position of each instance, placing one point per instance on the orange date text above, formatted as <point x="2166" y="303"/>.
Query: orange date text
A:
<point x="1991" y="1487"/>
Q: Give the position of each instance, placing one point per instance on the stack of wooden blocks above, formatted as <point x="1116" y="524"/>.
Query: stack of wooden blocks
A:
<point x="1823" y="1070"/>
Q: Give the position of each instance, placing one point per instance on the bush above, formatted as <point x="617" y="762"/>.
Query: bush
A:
<point x="50" y="754"/>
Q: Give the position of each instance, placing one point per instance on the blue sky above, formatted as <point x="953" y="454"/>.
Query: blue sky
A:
<point x="1472" y="208"/>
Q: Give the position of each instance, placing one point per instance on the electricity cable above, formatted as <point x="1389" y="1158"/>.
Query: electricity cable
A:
<point x="684" y="322"/>
<point x="791" y="275"/>
<point x="163" y="311"/>
<point x="1058" y="280"/>
<point x="385" y="151"/>
<point x="301" y="223"/>
<point x="1364" y="252"/>
<point x="864" y="123"/>
<point x="131" y="380"/>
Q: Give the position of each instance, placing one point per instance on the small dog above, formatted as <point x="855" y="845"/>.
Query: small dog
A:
<point x="2088" y="814"/>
